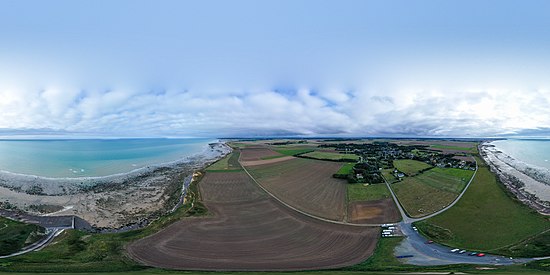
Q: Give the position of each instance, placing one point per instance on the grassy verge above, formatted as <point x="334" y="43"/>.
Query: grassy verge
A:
<point x="15" y="235"/>
<point x="359" y="192"/>
<point x="488" y="219"/>
<point x="76" y="251"/>
<point x="410" y="167"/>
<point x="383" y="257"/>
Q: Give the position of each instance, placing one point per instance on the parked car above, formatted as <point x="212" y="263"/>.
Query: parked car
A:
<point x="429" y="242"/>
<point x="462" y="251"/>
<point x="472" y="254"/>
<point x="455" y="250"/>
<point x="480" y="255"/>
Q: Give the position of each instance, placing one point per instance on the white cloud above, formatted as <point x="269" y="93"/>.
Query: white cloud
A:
<point x="128" y="112"/>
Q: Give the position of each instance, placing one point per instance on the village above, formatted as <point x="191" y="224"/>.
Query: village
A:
<point x="378" y="156"/>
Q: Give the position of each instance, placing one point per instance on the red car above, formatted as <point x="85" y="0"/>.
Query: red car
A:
<point x="429" y="241"/>
<point x="480" y="255"/>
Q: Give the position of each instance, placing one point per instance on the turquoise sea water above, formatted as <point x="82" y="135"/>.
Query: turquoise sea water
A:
<point x="92" y="158"/>
<point x="531" y="152"/>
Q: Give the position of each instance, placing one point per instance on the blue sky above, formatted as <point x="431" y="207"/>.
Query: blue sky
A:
<point x="237" y="68"/>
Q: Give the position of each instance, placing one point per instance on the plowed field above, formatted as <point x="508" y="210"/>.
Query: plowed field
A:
<point x="305" y="184"/>
<point x="249" y="230"/>
<point x="258" y="153"/>
<point x="377" y="211"/>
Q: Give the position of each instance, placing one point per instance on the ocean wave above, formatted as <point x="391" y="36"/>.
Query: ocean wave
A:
<point x="41" y="185"/>
<point x="538" y="173"/>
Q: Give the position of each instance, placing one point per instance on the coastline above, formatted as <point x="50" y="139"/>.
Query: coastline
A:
<point x="115" y="201"/>
<point x="527" y="188"/>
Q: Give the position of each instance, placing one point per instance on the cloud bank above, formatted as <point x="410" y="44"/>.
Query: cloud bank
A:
<point x="302" y="112"/>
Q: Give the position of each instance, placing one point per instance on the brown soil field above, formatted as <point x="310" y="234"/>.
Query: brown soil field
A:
<point x="377" y="211"/>
<point x="305" y="184"/>
<point x="257" y="153"/>
<point x="250" y="230"/>
<point x="265" y="161"/>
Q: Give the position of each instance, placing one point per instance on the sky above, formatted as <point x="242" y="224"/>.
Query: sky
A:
<point x="274" y="68"/>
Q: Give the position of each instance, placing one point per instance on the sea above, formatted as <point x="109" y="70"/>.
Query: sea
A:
<point x="93" y="157"/>
<point x="533" y="152"/>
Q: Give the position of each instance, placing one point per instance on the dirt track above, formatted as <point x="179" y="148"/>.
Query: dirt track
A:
<point x="377" y="211"/>
<point x="248" y="230"/>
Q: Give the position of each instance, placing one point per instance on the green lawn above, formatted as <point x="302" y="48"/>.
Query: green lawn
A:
<point x="331" y="156"/>
<point x="228" y="163"/>
<point x="410" y="167"/>
<point x="359" y="192"/>
<point x="431" y="191"/>
<point x="346" y="169"/>
<point x="15" y="235"/>
<point x="487" y="219"/>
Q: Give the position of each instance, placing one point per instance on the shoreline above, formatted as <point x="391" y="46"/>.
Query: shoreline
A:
<point x="528" y="190"/>
<point x="113" y="202"/>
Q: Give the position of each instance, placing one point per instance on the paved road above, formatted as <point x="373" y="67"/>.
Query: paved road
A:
<point x="436" y="254"/>
<point x="51" y="233"/>
<point x="409" y="220"/>
<point x="54" y="226"/>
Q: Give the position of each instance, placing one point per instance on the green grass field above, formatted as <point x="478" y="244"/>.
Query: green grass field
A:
<point x="292" y="151"/>
<point x="388" y="175"/>
<point x="331" y="156"/>
<point x="228" y="163"/>
<point x="346" y="169"/>
<point x="15" y="235"/>
<point x="431" y="191"/>
<point x="487" y="219"/>
<point x="456" y="148"/>
<point x="410" y="167"/>
<point x="359" y="192"/>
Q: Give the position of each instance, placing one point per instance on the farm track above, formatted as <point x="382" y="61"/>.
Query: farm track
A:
<point x="250" y="230"/>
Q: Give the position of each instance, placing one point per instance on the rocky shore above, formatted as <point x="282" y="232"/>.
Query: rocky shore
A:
<point x="117" y="201"/>
<point x="528" y="184"/>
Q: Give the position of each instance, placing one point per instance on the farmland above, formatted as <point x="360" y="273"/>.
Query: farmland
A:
<point x="228" y="163"/>
<point x="487" y="219"/>
<point x="305" y="184"/>
<point x="431" y="191"/>
<point x="293" y="150"/>
<point x="360" y="192"/>
<point x="15" y="235"/>
<point x="373" y="211"/>
<point x="251" y="231"/>
<point x="410" y="167"/>
<point x="346" y="169"/>
<point x="252" y="153"/>
<point x="330" y="156"/>
<point x="371" y="204"/>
